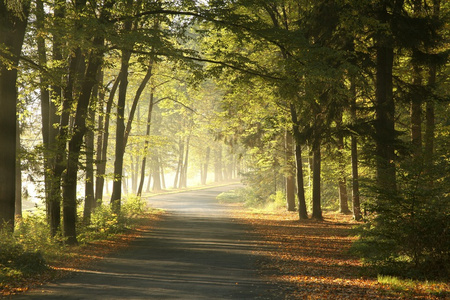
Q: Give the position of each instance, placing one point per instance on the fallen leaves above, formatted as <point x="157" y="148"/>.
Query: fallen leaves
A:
<point x="311" y="260"/>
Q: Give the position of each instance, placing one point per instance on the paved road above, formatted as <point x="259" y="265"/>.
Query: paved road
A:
<point x="195" y="252"/>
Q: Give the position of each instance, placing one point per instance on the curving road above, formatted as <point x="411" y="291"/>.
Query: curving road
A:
<point x="195" y="252"/>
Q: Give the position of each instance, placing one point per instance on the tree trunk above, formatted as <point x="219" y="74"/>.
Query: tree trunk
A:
<point x="416" y="114"/>
<point x="120" y="133"/>
<point x="12" y="32"/>
<point x="18" y="204"/>
<point x="183" y="173"/>
<point x="316" y="199"/>
<point x="156" y="173"/>
<point x="89" y="197"/>
<point x="45" y="102"/>
<point x="102" y="144"/>
<point x="385" y="112"/>
<point x="180" y="163"/>
<point x="56" y="148"/>
<point x="302" y="212"/>
<point x="205" y="166"/>
<point x="289" y="177"/>
<point x="79" y="129"/>
<point x="218" y="165"/>
<point x="342" y="185"/>
<point x="146" y="144"/>
<point x="430" y="122"/>
<point x="429" y="110"/>
<point x="163" y="179"/>
<point x="70" y="182"/>
<point x="354" y="153"/>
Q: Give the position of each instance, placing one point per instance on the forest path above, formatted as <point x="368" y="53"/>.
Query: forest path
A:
<point x="196" y="251"/>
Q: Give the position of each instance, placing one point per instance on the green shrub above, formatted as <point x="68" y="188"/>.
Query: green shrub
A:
<point x="407" y="233"/>
<point x="15" y="261"/>
<point x="105" y="222"/>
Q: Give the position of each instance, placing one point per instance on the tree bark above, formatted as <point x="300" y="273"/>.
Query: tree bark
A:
<point x="12" y="32"/>
<point x="342" y="185"/>
<point x="89" y="197"/>
<point x="18" y="204"/>
<point x="218" y="165"/>
<point x="146" y="143"/>
<point x="204" y="172"/>
<point x="430" y="107"/>
<point x="289" y="176"/>
<point x="354" y="154"/>
<point x="120" y="133"/>
<point x="180" y="163"/>
<point x="95" y="60"/>
<point x="316" y="197"/>
<point x="156" y="173"/>
<point x="416" y="114"/>
<point x="56" y="147"/>
<point x="102" y="144"/>
<point x="385" y="111"/>
<point x="302" y="211"/>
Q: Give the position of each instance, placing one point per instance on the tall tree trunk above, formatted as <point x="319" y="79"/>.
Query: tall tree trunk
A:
<point x="180" y="163"/>
<point x="56" y="136"/>
<point x="45" y="101"/>
<point x="302" y="212"/>
<point x="18" y="204"/>
<point x="354" y="153"/>
<point x="385" y="111"/>
<point x="218" y="165"/>
<point x="163" y="179"/>
<point x="120" y="133"/>
<point x="289" y="176"/>
<point x="416" y="114"/>
<point x="429" y="110"/>
<point x="316" y="199"/>
<point x="70" y="178"/>
<point x="342" y="185"/>
<point x="139" y="91"/>
<point x="183" y="173"/>
<point x="89" y="198"/>
<point x="102" y="143"/>
<point x="205" y="166"/>
<point x="79" y="129"/>
<point x="146" y="144"/>
<point x="12" y="32"/>
<point x="156" y="173"/>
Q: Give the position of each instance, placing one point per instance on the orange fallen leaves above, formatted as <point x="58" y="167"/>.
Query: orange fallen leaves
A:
<point x="311" y="260"/>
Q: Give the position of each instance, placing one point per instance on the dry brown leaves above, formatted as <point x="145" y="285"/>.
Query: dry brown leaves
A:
<point x="310" y="259"/>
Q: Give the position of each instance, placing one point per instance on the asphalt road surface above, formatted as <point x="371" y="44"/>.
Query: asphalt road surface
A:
<point x="196" y="251"/>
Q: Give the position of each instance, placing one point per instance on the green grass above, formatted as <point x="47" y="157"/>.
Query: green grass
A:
<point x="406" y="287"/>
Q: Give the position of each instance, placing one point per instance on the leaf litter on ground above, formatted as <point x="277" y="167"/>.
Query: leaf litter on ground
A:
<point x="310" y="259"/>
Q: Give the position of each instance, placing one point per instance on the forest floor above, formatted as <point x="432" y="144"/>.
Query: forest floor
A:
<point x="311" y="260"/>
<point x="302" y="260"/>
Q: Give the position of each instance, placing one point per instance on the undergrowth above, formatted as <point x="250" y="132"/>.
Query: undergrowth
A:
<point x="31" y="250"/>
<point x="252" y="200"/>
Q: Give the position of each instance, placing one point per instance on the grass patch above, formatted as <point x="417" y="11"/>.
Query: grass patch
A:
<point x="408" y="287"/>
<point x="251" y="200"/>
